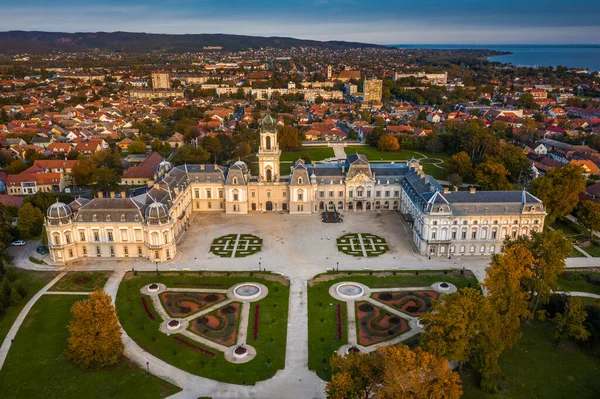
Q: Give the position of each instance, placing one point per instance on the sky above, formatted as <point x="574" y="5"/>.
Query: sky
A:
<point x="372" y="21"/>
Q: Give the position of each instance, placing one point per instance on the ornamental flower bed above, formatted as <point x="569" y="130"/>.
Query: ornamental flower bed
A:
<point x="220" y="325"/>
<point x="147" y="309"/>
<point x="377" y="325"/>
<point x="240" y="350"/>
<point x="182" y="304"/>
<point x="194" y="347"/>
<point x="201" y="284"/>
<point x="413" y="303"/>
<point x="256" y="321"/>
<point x="339" y="321"/>
<point x="82" y="280"/>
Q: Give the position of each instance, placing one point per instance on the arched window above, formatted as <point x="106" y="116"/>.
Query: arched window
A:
<point x="155" y="238"/>
<point x="300" y="181"/>
<point x="56" y="237"/>
<point x="166" y="237"/>
<point x="235" y="180"/>
<point x="300" y="195"/>
<point x="269" y="175"/>
<point x="268" y="142"/>
<point x="340" y="205"/>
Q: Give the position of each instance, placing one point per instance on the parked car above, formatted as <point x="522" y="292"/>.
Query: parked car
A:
<point x="41" y="250"/>
<point x="18" y="243"/>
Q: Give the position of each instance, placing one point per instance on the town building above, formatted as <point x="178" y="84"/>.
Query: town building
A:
<point x="149" y="225"/>
<point x="436" y="79"/>
<point x="161" y="80"/>
<point x="372" y="90"/>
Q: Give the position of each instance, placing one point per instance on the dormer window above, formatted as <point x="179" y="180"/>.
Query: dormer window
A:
<point x="235" y="180"/>
<point x="108" y="218"/>
<point x="300" y="180"/>
<point x="137" y="218"/>
<point x="94" y="218"/>
<point x="122" y="217"/>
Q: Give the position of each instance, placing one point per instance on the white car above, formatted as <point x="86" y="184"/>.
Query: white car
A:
<point x="18" y="243"/>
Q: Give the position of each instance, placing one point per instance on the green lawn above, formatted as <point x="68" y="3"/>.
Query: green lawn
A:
<point x="81" y="282"/>
<point x="577" y="282"/>
<point x="593" y="250"/>
<point x="537" y="368"/>
<point x="314" y="153"/>
<point x="36" y="366"/>
<point x="373" y="154"/>
<point x="270" y="345"/>
<point x="322" y="308"/>
<point x="437" y="173"/>
<point x="32" y="281"/>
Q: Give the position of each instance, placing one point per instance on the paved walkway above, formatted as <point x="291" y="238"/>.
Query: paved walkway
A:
<point x="339" y="152"/>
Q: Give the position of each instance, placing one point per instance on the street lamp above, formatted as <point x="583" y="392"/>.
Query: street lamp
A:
<point x="148" y="368"/>
<point x="337" y="266"/>
<point x="259" y="269"/>
<point x="156" y="263"/>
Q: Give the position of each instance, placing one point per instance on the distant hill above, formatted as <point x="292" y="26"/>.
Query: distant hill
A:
<point x="13" y="42"/>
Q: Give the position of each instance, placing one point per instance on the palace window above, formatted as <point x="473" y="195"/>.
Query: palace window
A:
<point x="285" y="194"/>
<point x="109" y="234"/>
<point x="331" y="194"/>
<point x="300" y="208"/>
<point x="122" y="217"/>
<point x="433" y="235"/>
<point x="474" y="235"/>
<point x="208" y="193"/>
<point x="220" y="193"/>
<point x="68" y="238"/>
<point x="464" y="235"/>
<point x="236" y="197"/>
<point x="454" y="235"/>
<point x="350" y="194"/>
<point x="98" y="253"/>
<point x="209" y="205"/>
<point x="359" y="193"/>
<point x="377" y="193"/>
<point x="235" y="180"/>
<point x="197" y="193"/>
<point x="494" y="234"/>
<point x="112" y="252"/>
<point x="340" y="194"/>
<point x="96" y="236"/>
<point x="300" y="181"/>
<point x="396" y="193"/>
<point x="321" y="194"/>
<point x="300" y="196"/>
<point x="139" y="251"/>
<point x="253" y="194"/>
<point x="368" y="193"/>
<point x="84" y="250"/>
<point x="387" y="193"/>
<point x="126" y="251"/>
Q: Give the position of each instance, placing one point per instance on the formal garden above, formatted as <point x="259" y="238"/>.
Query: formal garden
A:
<point x="362" y="244"/>
<point x="81" y="282"/>
<point x="362" y="310"/>
<point x="230" y="327"/>
<point x="236" y="245"/>
<point x="37" y="367"/>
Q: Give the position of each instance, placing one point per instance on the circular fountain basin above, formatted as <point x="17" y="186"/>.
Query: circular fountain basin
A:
<point x="247" y="291"/>
<point x="349" y="290"/>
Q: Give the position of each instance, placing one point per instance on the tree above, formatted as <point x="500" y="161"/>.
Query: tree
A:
<point x="289" y="138"/>
<point x="588" y="216"/>
<point x="41" y="200"/>
<point x="450" y="328"/>
<point x="15" y="167"/>
<point x="189" y="154"/>
<point x="243" y="149"/>
<point x="83" y="172"/>
<point x="416" y="374"/>
<point x="164" y="149"/>
<point x="137" y="147"/>
<point x="559" y="190"/>
<point x="526" y="101"/>
<point x="388" y="142"/>
<point x="213" y="146"/>
<point x="460" y="163"/>
<point x="492" y="176"/>
<point x="505" y="289"/>
<point x="94" y="332"/>
<point x="106" y="178"/>
<point x="31" y="220"/>
<point x="354" y="376"/>
<point x="570" y="324"/>
<point x="549" y="250"/>
<point x="392" y="372"/>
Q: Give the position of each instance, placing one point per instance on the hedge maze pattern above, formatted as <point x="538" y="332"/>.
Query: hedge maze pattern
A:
<point x="412" y="303"/>
<point x="362" y="244"/>
<point x="236" y="245"/>
<point x="183" y="304"/>
<point x="376" y="325"/>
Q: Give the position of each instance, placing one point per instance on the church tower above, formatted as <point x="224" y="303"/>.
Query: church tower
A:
<point x="268" y="152"/>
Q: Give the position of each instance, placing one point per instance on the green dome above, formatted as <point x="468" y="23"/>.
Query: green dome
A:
<point x="267" y="123"/>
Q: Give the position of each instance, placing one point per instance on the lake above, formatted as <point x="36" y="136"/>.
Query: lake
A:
<point x="572" y="56"/>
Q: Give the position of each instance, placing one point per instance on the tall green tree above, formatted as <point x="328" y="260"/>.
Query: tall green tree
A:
<point x="31" y="220"/>
<point x="570" y="323"/>
<point x="289" y="138"/>
<point x="559" y="190"/>
<point x="460" y="163"/>
<point x="588" y="216"/>
<point x="137" y="147"/>
<point x="492" y="176"/>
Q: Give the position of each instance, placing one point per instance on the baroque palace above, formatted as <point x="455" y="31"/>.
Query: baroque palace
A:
<point x="151" y="224"/>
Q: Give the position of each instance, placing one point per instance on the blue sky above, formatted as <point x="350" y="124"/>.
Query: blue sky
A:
<point x="375" y="21"/>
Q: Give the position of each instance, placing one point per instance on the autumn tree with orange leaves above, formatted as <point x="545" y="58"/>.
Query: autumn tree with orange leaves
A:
<point x="94" y="332"/>
<point x="393" y="372"/>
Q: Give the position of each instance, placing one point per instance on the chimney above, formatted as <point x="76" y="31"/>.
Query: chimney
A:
<point x="123" y="194"/>
<point x="343" y="168"/>
<point x="472" y="190"/>
<point x="112" y="194"/>
<point x="201" y="166"/>
<point x="446" y="190"/>
<point x="455" y="188"/>
<point x="100" y="194"/>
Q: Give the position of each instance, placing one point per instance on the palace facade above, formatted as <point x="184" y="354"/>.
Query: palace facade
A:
<point x="151" y="224"/>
